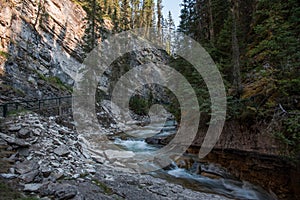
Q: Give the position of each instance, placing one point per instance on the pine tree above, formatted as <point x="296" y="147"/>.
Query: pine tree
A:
<point x="125" y="19"/>
<point x="148" y="13"/>
<point x="236" y="49"/>
<point x="171" y="33"/>
<point x="159" y="18"/>
<point x="185" y="16"/>
<point x="95" y="22"/>
<point x="136" y="12"/>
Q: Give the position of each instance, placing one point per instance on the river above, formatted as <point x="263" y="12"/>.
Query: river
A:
<point x="215" y="179"/>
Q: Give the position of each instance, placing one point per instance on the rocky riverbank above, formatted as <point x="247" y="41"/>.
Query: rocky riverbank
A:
<point x="48" y="160"/>
<point x="276" y="174"/>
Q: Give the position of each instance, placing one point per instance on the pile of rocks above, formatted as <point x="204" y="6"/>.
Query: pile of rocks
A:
<point x="45" y="153"/>
<point x="50" y="162"/>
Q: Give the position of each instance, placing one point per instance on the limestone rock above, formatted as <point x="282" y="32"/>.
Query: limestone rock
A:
<point x="26" y="166"/>
<point x="14" y="128"/>
<point x="8" y="176"/>
<point x="29" y="177"/>
<point x="114" y="154"/>
<point x="24" y="133"/>
<point x="65" y="191"/>
<point x="34" y="187"/>
<point x="15" y="141"/>
<point x="62" y="150"/>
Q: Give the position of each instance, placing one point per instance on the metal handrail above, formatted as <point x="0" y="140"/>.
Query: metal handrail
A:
<point x="37" y="102"/>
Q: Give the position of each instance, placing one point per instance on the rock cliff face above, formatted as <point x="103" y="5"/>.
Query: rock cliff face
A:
<point x="37" y="38"/>
<point x="45" y="38"/>
<point x="236" y="135"/>
<point x="252" y="153"/>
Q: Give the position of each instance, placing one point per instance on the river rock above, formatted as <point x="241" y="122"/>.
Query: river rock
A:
<point x="161" y="140"/>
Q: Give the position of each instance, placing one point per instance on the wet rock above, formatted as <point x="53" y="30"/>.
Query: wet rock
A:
<point x="62" y="150"/>
<point x="161" y="140"/>
<point x="34" y="187"/>
<point x="65" y="191"/>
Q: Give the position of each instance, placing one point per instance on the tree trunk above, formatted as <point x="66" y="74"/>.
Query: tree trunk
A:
<point x="93" y="24"/>
<point x="211" y="24"/>
<point x="236" y="51"/>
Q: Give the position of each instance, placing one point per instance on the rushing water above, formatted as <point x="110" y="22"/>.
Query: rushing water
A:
<point x="225" y="184"/>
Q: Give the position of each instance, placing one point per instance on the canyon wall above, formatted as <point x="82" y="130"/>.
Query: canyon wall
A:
<point x="39" y="39"/>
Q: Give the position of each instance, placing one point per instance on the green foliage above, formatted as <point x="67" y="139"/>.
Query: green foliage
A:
<point x="8" y="193"/>
<point x="18" y="112"/>
<point x="290" y="86"/>
<point x="6" y="88"/>
<point x="94" y="28"/>
<point x="197" y="83"/>
<point x="55" y="81"/>
<point x="276" y="35"/>
<point x="268" y="34"/>
<point x="106" y="189"/>
<point x="4" y="54"/>
<point x="139" y="105"/>
<point x="290" y="134"/>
